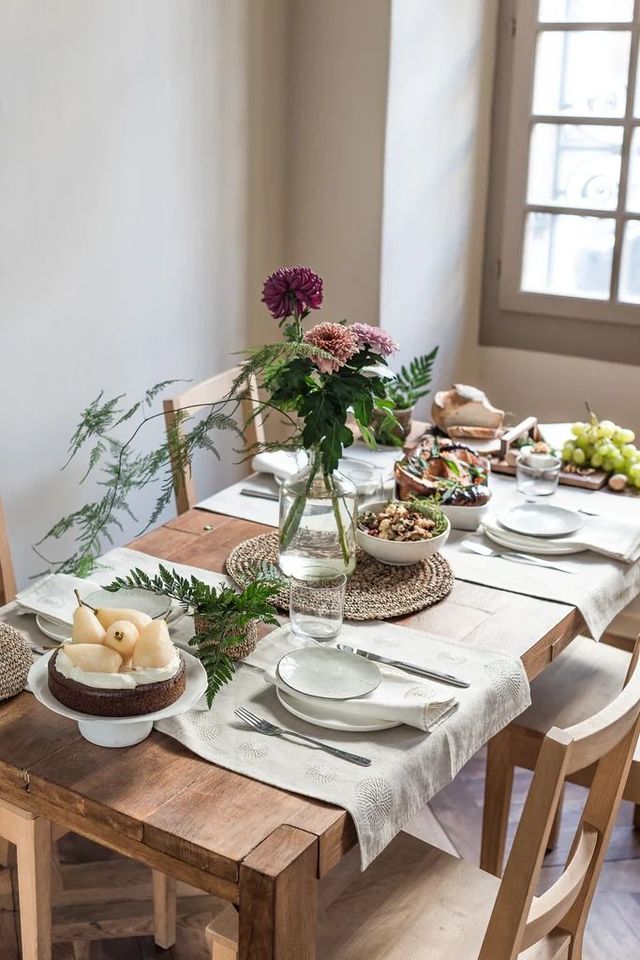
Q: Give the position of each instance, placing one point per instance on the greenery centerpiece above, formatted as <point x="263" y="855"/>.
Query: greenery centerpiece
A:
<point x="404" y="389"/>
<point x="225" y="619"/>
<point x="320" y="378"/>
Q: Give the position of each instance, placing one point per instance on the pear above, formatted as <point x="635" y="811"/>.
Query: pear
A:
<point x="93" y="657"/>
<point x="122" y="636"/>
<point x="154" y="647"/>
<point x="107" y="616"/>
<point x="86" y="627"/>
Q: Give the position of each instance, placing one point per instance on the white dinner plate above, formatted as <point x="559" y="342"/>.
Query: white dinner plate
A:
<point x="328" y="673"/>
<point x="541" y="520"/>
<point x="61" y="632"/>
<point x="531" y="545"/>
<point x="155" y="605"/>
<point x="330" y="715"/>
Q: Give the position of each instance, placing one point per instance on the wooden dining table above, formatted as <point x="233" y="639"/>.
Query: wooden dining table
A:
<point x="256" y="846"/>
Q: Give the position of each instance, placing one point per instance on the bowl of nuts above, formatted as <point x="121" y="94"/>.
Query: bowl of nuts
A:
<point x="402" y="532"/>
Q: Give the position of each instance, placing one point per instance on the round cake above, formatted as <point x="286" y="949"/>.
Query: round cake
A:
<point x="130" y="693"/>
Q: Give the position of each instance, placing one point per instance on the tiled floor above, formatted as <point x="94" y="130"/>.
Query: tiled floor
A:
<point x="453" y="820"/>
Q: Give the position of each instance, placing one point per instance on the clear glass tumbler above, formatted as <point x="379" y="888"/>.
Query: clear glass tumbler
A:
<point x="316" y="603"/>
<point x="537" y="475"/>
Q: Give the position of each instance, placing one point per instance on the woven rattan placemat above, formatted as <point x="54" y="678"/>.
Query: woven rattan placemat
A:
<point x="375" y="591"/>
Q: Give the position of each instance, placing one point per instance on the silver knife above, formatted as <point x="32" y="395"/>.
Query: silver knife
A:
<point x="407" y="667"/>
<point x="259" y="494"/>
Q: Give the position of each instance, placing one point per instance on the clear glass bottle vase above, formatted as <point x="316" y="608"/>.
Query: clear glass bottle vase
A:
<point x="317" y="521"/>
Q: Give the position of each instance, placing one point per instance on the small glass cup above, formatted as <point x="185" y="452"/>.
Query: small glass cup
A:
<point x="537" y="475"/>
<point x="316" y="603"/>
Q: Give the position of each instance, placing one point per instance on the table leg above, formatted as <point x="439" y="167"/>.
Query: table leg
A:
<point x="278" y="890"/>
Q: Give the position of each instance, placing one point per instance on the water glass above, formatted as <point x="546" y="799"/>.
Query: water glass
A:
<point x="316" y="603"/>
<point x="537" y="475"/>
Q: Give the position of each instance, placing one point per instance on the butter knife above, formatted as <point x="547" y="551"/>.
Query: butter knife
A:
<point x="407" y="667"/>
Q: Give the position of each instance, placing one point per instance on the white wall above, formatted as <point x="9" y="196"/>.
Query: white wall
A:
<point x="335" y="148"/>
<point x="124" y="184"/>
<point x="435" y="176"/>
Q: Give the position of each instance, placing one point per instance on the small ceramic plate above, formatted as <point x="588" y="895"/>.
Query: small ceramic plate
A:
<point x="330" y="715"/>
<point x="142" y="600"/>
<point x="61" y="632"/>
<point x="328" y="673"/>
<point x="541" y="520"/>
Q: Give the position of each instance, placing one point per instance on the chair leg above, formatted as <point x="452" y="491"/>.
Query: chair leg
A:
<point x="33" y="842"/>
<point x="497" y="800"/>
<point x="81" y="949"/>
<point x="6" y="853"/>
<point x="164" y="910"/>
<point x="222" y="934"/>
<point x="636" y="816"/>
<point x="552" y="842"/>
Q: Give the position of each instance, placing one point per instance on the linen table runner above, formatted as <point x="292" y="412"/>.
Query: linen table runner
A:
<point x="409" y="766"/>
<point x="597" y="585"/>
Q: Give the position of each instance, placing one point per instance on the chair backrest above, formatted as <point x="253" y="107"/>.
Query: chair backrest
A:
<point x="605" y="743"/>
<point x="197" y="397"/>
<point x="7" y="577"/>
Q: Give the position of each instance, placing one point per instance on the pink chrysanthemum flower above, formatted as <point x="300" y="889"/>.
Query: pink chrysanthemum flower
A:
<point x="376" y="339"/>
<point x="335" y="339"/>
<point x="290" y="291"/>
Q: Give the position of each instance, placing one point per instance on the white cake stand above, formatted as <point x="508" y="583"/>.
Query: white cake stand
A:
<point x="119" y="731"/>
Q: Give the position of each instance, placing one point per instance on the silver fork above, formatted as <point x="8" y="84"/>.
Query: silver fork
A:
<point x="270" y="730"/>
<point x="483" y="551"/>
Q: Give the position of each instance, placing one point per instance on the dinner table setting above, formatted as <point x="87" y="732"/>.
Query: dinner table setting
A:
<point x="325" y="642"/>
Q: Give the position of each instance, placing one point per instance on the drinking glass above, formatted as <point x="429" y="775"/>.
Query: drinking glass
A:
<point x="537" y="475"/>
<point x="316" y="603"/>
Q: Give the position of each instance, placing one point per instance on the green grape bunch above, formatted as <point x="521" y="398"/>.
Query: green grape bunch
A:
<point x="603" y="445"/>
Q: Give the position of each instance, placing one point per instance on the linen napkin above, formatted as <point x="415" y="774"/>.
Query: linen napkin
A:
<point x="400" y="696"/>
<point x="368" y="475"/>
<point x="53" y="596"/>
<point x="611" y="536"/>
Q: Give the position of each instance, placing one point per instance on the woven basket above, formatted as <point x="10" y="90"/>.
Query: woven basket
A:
<point x="237" y="651"/>
<point x="15" y="660"/>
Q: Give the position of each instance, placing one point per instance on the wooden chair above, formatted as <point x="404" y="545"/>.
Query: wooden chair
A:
<point x="198" y="397"/>
<point x="34" y="839"/>
<point x="583" y="679"/>
<point x="416" y="901"/>
<point x="7" y="577"/>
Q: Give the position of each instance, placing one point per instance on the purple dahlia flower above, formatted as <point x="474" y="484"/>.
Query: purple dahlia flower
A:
<point x="376" y="339"/>
<point x="289" y="291"/>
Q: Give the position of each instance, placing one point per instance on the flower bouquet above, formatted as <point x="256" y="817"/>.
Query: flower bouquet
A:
<point x="318" y="379"/>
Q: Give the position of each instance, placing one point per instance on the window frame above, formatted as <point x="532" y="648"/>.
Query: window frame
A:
<point x="542" y="321"/>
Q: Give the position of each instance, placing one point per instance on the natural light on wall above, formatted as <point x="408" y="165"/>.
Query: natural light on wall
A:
<point x="571" y="236"/>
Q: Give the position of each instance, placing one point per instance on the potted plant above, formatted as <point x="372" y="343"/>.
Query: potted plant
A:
<point x="225" y="619"/>
<point x="404" y="389"/>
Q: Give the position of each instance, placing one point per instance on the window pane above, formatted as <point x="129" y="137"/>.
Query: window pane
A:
<point x="582" y="72"/>
<point x="568" y="255"/>
<point x="585" y="11"/>
<point x="633" y="185"/>
<point x="630" y="264"/>
<point x="575" y="166"/>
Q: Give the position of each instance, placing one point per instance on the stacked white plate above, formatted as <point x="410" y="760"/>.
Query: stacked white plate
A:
<point x="314" y="682"/>
<point x="537" y="528"/>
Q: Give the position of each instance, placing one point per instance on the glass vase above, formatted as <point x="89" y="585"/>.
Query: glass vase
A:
<point x="317" y="521"/>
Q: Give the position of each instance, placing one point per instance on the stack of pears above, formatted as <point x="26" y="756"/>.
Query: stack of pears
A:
<point x="106" y="640"/>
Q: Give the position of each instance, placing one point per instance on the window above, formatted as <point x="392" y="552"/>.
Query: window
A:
<point x="564" y="210"/>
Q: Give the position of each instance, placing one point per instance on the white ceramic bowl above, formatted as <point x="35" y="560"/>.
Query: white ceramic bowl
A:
<point x="399" y="553"/>
<point x="468" y="517"/>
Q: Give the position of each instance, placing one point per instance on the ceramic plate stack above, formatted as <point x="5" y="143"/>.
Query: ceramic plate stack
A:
<point x="312" y="682"/>
<point x="537" y="528"/>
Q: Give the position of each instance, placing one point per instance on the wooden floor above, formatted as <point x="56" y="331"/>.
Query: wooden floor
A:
<point x="453" y="821"/>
